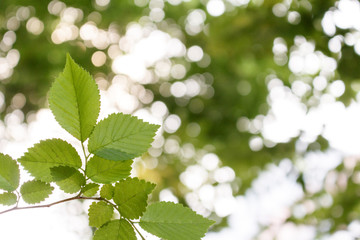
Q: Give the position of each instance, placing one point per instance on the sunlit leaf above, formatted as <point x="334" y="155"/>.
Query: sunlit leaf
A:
<point x="106" y="171"/>
<point x="90" y="189"/>
<point x="121" y="137"/>
<point x="131" y="196"/>
<point x="9" y="173"/>
<point x="115" y="230"/>
<point x="35" y="191"/>
<point x="75" y="101"/>
<point x="174" y="222"/>
<point x="100" y="213"/>
<point x="107" y="191"/>
<point x="47" y="154"/>
<point x="68" y="179"/>
<point x="8" y="198"/>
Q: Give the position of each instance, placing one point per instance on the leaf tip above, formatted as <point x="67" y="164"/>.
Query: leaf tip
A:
<point x="68" y="57"/>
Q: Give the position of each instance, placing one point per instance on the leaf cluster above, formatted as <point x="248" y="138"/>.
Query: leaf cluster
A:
<point x="112" y="143"/>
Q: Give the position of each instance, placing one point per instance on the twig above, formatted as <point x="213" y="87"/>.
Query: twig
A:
<point x="55" y="203"/>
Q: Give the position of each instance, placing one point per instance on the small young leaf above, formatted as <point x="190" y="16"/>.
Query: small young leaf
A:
<point x="121" y="137"/>
<point x="8" y="198"/>
<point x="9" y="173"/>
<point x="115" y="230"/>
<point x="68" y="179"/>
<point x="75" y="101"/>
<point x="174" y="222"/>
<point x="90" y="189"/>
<point x="47" y="154"/>
<point x="100" y="213"/>
<point x="35" y="191"/>
<point x="131" y="196"/>
<point x="107" y="191"/>
<point x="106" y="171"/>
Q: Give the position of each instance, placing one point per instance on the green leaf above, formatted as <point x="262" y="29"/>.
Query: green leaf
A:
<point x="90" y="189"/>
<point x="8" y="198"/>
<point x="131" y="196"/>
<point x="115" y="230"/>
<point x="68" y="179"/>
<point x="35" y="191"/>
<point x="107" y="191"/>
<point x="75" y="101"/>
<point x="106" y="171"/>
<point x="48" y="154"/>
<point x="100" y="213"/>
<point x="9" y="173"/>
<point x="174" y="222"/>
<point x="121" y="137"/>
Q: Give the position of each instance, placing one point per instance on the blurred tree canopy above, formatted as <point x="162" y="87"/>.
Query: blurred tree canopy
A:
<point x="211" y="72"/>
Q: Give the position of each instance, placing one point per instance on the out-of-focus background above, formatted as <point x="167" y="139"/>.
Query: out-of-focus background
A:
<point x="258" y="100"/>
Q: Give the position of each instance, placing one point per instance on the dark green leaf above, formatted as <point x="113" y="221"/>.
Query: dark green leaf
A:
<point x="121" y="137"/>
<point x="106" y="171"/>
<point x="69" y="179"/>
<point x="35" y="191"/>
<point x="174" y="222"/>
<point x="115" y="230"/>
<point x="8" y="198"/>
<point x="75" y="101"/>
<point x="131" y="196"/>
<point x="100" y="213"/>
<point x="9" y="173"/>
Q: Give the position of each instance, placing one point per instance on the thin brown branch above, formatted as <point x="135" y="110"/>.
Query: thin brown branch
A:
<point x="78" y="197"/>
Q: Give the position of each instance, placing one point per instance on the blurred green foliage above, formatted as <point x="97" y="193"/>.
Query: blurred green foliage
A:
<point x="240" y="48"/>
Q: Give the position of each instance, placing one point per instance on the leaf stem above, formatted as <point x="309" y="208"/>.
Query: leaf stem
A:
<point x="18" y="198"/>
<point x="137" y="230"/>
<point x="83" y="148"/>
<point x="86" y="156"/>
